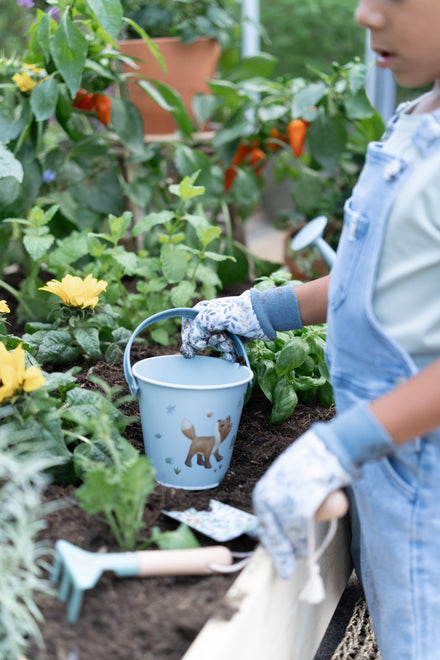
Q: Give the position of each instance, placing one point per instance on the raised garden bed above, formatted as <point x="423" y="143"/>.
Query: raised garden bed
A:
<point x="159" y="618"/>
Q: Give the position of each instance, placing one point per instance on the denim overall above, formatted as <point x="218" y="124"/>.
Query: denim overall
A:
<point x="395" y="505"/>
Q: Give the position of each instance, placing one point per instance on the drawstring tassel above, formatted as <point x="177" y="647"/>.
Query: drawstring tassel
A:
<point x="313" y="591"/>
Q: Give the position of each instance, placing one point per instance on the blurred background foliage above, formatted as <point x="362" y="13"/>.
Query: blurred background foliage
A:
<point x="296" y="32"/>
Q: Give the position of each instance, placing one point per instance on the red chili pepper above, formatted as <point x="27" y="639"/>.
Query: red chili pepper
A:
<point x="103" y="107"/>
<point x="296" y="132"/>
<point x="84" y="100"/>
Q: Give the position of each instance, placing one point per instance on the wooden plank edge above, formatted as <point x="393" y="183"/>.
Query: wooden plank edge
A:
<point x="270" y="620"/>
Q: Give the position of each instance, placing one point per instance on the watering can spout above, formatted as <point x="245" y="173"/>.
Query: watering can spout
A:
<point x="311" y="234"/>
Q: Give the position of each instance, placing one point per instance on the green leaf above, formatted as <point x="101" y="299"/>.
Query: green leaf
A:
<point x="151" y="220"/>
<point x="109" y="14"/>
<point x="358" y="106"/>
<point x="9" y="165"/>
<point x="182" y="537"/>
<point x="44" y="99"/>
<point x="174" y="263"/>
<point x="182" y="295"/>
<point x="305" y="99"/>
<point x="327" y="137"/>
<point x="69" y="51"/>
<point x="88" y="339"/>
<point x="37" y="246"/>
<point x="284" y="401"/>
<point x="127" y="124"/>
<point x="291" y="356"/>
<point x="43" y="34"/>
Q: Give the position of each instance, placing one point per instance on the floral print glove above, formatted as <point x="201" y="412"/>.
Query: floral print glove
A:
<point x="287" y="497"/>
<point x="234" y="314"/>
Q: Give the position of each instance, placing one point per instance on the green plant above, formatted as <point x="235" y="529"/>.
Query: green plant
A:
<point x="53" y="149"/>
<point x="336" y="120"/>
<point x="80" y="325"/>
<point x="23" y="479"/>
<point x="186" y="19"/>
<point x="71" y="420"/>
<point x="291" y="368"/>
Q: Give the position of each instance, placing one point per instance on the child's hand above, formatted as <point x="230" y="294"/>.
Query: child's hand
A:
<point x="234" y="314"/>
<point x="287" y="497"/>
<point x="326" y="458"/>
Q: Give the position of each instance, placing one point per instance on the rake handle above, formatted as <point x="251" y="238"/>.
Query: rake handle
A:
<point x="194" y="561"/>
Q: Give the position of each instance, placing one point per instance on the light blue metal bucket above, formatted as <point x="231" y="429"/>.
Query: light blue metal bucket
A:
<point x="190" y="410"/>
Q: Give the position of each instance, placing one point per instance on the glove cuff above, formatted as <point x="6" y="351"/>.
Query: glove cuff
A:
<point x="276" y="309"/>
<point x="355" y="437"/>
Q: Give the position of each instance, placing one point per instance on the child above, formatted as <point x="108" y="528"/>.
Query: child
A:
<point x="382" y="306"/>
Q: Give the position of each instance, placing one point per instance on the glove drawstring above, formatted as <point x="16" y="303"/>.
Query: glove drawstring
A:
<point x="313" y="591"/>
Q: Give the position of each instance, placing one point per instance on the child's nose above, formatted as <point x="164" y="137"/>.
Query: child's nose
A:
<point x="369" y="14"/>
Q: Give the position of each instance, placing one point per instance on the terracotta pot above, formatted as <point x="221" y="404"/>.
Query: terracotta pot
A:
<point x="189" y="66"/>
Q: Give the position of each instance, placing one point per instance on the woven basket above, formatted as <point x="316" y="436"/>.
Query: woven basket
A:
<point x="359" y="641"/>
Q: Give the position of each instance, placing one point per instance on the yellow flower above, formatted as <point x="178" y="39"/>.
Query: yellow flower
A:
<point x="4" y="306"/>
<point x="14" y="377"/>
<point x="24" y="82"/>
<point x="76" y="292"/>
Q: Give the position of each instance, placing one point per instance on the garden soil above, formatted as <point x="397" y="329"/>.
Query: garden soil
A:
<point x="158" y="618"/>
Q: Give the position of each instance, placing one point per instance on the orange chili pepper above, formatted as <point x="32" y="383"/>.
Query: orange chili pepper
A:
<point x="241" y="153"/>
<point x="256" y="157"/>
<point x="275" y="137"/>
<point x="296" y="132"/>
<point x="103" y="108"/>
<point x="230" y="174"/>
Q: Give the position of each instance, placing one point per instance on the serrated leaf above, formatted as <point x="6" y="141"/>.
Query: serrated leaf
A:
<point x="37" y="246"/>
<point x="174" y="263"/>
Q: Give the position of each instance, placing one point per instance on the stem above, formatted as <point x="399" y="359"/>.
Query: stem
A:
<point x="16" y="295"/>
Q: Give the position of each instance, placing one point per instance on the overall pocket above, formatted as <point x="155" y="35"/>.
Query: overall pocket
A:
<point x="350" y="245"/>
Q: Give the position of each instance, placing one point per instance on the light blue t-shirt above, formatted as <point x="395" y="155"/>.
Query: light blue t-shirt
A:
<point x="406" y="298"/>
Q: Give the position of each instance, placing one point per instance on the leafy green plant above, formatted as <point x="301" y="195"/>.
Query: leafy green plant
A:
<point x="70" y="419"/>
<point x="23" y="478"/>
<point x="259" y="117"/>
<point x="291" y="368"/>
<point x="80" y="325"/>
<point x="186" y="19"/>
<point x="61" y="123"/>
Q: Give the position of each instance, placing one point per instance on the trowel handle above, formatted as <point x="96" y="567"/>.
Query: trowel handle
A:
<point x="192" y="561"/>
<point x="335" y="505"/>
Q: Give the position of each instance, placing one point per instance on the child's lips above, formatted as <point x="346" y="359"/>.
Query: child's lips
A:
<point x="385" y="58"/>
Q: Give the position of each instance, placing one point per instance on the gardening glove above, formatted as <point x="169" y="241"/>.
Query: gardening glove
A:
<point x="253" y="315"/>
<point x="327" y="457"/>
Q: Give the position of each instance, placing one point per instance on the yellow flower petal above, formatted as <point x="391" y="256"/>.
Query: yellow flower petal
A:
<point x="33" y="379"/>
<point x="4" y="306"/>
<point x="24" y="82"/>
<point x="76" y="292"/>
<point x="9" y="379"/>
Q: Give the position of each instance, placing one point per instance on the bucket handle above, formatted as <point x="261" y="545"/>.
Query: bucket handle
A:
<point x="187" y="312"/>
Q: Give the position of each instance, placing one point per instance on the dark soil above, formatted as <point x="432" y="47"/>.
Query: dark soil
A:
<point x="158" y="618"/>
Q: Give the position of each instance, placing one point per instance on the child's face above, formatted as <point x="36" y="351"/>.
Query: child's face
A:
<point x="405" y="36"/>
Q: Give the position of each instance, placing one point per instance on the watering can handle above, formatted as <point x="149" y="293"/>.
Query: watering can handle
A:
<point x="187" y="312"/>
